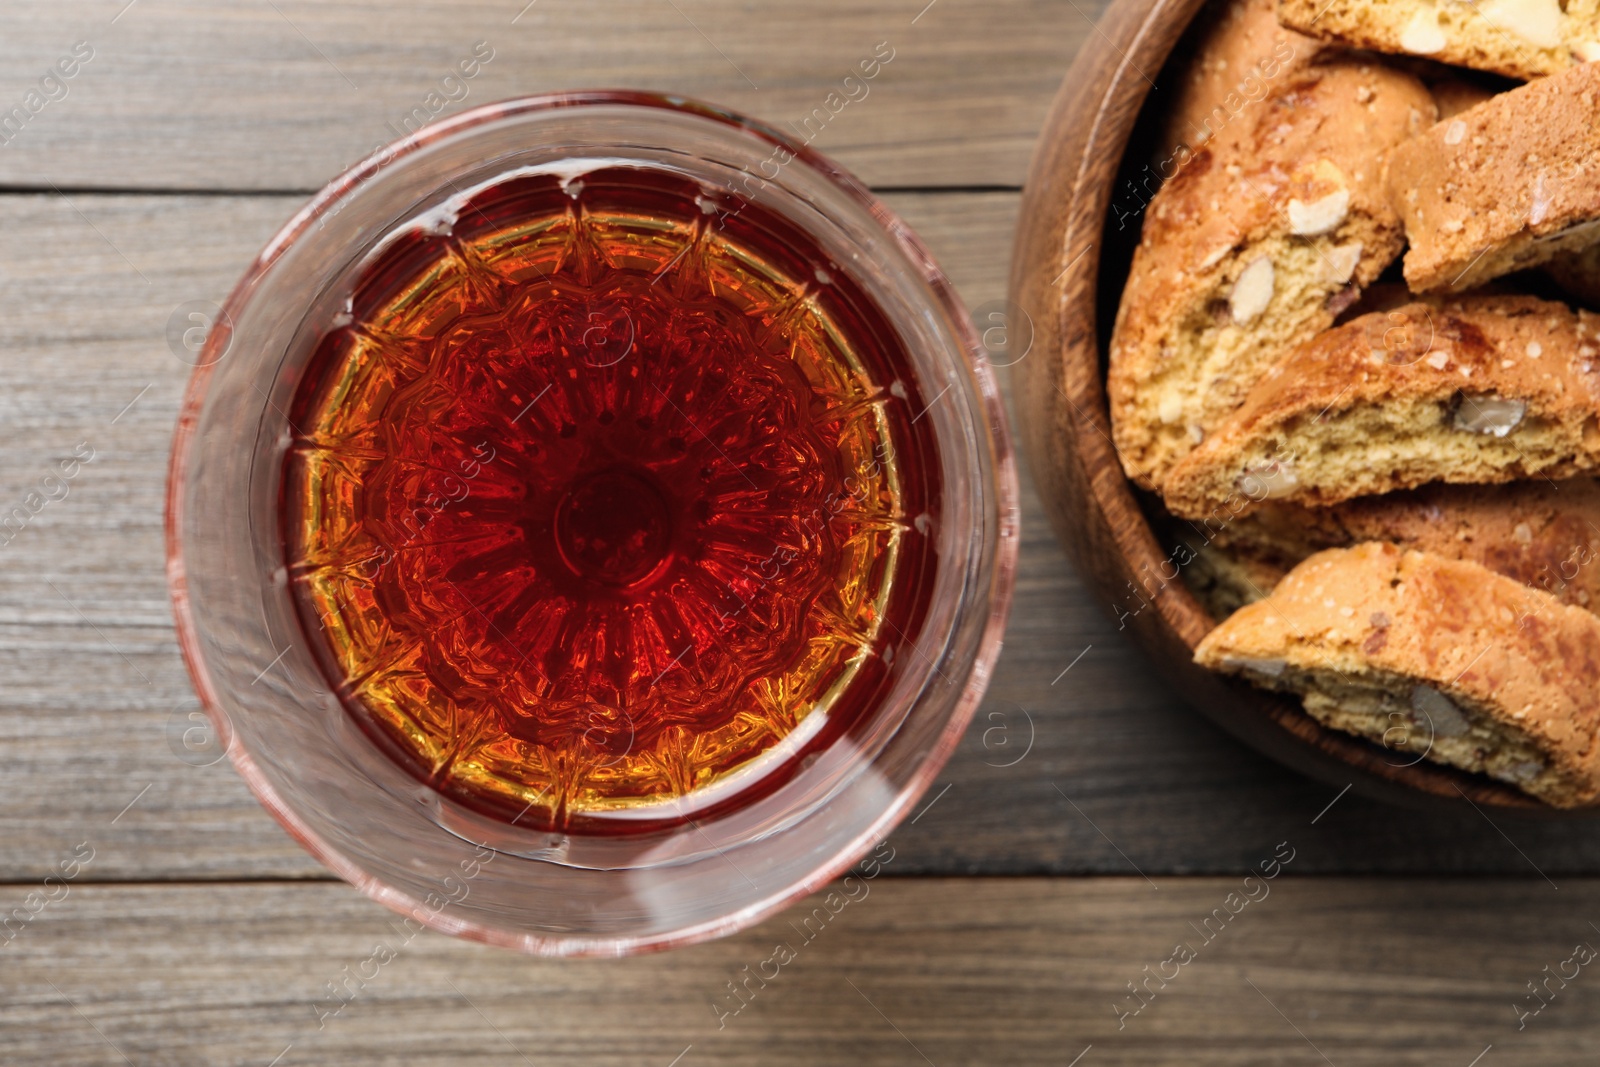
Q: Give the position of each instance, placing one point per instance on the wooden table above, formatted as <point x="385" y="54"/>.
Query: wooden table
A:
<point x="1089" y="824"/>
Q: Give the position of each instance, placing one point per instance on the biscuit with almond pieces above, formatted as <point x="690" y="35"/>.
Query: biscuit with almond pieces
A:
<point x="1435" y="658"/>
<point x="1517" y="38"/>
<point x="1255" y="246"/>
<point x="1480" y="390"/>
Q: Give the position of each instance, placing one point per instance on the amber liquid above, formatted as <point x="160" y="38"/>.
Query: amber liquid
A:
<point x="609" y="492"/>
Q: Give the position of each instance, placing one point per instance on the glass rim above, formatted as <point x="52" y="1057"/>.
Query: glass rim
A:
<point x="1005" y="491"/>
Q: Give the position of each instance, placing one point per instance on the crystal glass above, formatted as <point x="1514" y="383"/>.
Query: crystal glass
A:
<point x="370" y="821"/>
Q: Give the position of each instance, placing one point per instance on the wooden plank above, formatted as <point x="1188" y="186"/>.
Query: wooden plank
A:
<point x="95" y="701"/>
<point x="284" y="95"/>
<point x="948" y="972"/>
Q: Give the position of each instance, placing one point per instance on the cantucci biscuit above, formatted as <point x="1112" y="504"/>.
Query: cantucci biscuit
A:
<point x="1481" y="389"/>
<point x="1518" y="38"/>
<point x="1508" y="184"/>
<point x="1543" y="534"/>
<point x="1254" y="246"/>
<point x="1438" y="659"/>
<point x="1240" y="53"/>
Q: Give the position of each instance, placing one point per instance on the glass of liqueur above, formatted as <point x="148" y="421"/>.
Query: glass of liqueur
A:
<point x="591" y="524"/>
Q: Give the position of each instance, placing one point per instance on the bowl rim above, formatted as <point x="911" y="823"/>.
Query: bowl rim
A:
<point x="1091" y="504"/>
<point x="990" y="407"/>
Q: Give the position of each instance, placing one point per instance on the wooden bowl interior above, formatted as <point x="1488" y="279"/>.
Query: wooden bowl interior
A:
<point x="1069" y="266"/>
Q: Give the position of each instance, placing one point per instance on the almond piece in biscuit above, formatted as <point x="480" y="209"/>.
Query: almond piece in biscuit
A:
<point x="1254" y="246"/>
<point x="1517" y="38"/>
<point x="1434" y="658"/>
<point x="1502" y="186"/>
<point x="1481" y="389"/>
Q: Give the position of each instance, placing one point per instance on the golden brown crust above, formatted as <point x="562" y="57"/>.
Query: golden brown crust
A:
<point x="1543" y="534"/>
<point x="1239" y="53"/>
<point x="1379" y="621"/>
<point x="1521" y="39"/>
<point x="1505" y="185"/>
<point x="1483" y="389"/>
<point x="1296" y="190"/>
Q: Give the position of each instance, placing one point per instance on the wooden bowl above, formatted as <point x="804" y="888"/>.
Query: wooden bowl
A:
<point x="1067" y="274"/>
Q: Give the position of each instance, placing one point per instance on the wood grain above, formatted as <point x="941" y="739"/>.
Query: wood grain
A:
<point x="1067" y="274"/>
<point x="947" y="972"/>
<point x="284" y="95"/>
<point x="1098" y="769"/>
<point x="1080" y="760"/>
